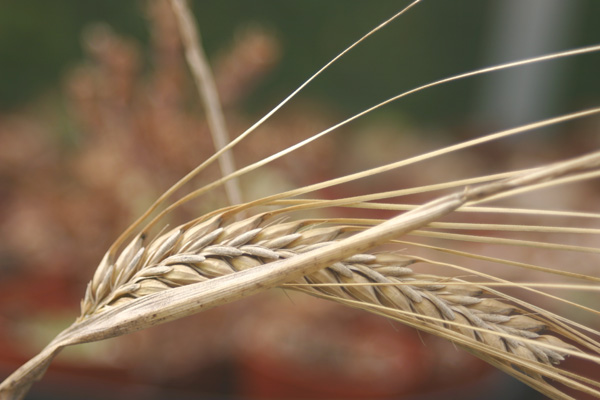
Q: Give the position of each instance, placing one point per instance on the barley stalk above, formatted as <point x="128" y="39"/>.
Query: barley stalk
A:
<point x="208" y="93"/>
<point x="209" y="248"/>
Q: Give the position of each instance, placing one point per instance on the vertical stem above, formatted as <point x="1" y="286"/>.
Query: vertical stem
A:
<point x="203" y="77"/>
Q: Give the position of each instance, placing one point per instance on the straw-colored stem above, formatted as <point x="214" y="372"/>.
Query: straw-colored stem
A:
<point x="208" y="93"/>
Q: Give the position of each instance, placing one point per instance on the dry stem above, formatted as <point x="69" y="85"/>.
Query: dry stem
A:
<point x="208" y="93"/>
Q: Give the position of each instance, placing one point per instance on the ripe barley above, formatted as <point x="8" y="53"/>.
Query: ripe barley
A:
<point x="213" y="248"/>
<point x="216" y="259"/>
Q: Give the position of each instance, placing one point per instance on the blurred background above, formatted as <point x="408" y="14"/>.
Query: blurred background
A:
<point x="98" y="116"/>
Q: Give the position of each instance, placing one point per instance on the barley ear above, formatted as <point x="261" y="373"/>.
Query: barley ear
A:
<point x="287" y="254"/>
